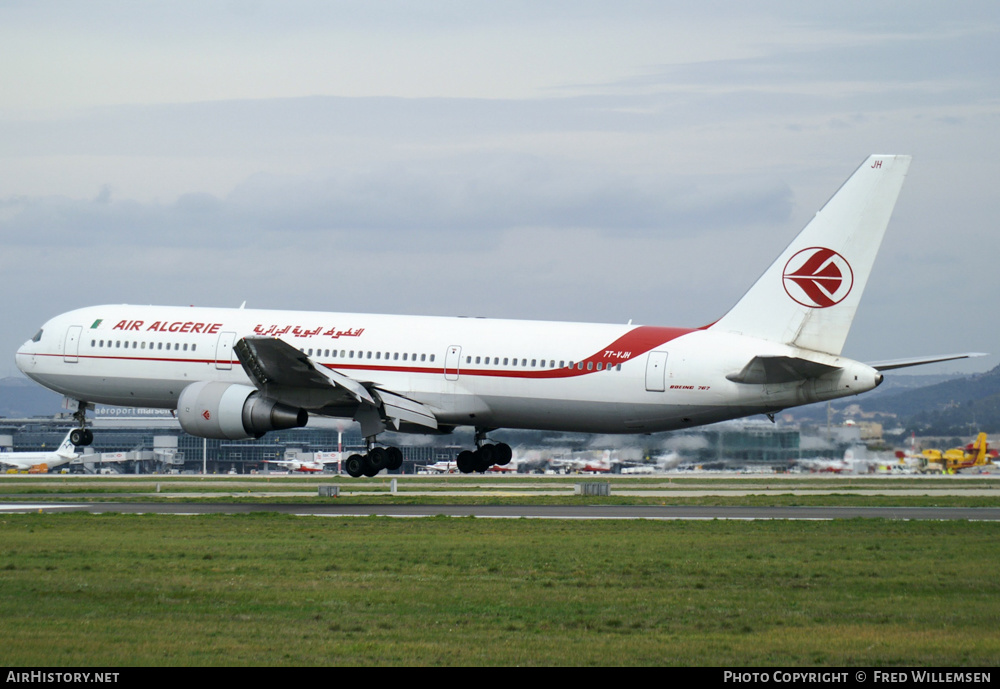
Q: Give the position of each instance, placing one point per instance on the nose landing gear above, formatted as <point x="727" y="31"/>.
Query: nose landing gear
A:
<point x="82" y="436"/>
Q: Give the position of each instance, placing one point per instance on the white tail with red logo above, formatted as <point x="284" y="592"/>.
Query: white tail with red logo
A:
<point x="809" y="295"/>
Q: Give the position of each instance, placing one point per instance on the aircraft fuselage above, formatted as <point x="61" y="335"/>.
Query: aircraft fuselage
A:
<point x="470" y="371"/>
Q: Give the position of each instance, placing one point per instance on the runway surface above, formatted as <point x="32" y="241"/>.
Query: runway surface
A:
<point x="663" y="512"/>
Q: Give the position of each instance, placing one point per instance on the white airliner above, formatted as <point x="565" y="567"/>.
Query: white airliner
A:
<point x="239" y="373"/>
<point x="66" y="452"/>
<point x="305" y="467"/>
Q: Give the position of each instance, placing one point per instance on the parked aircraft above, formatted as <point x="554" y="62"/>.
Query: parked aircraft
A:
<point x="240" y="373"/>
<point x="65" y="453"/>
<point x="850" y="463"/>
<point x="975" y="454"/>
<point x="442" y="467"/>
<point x="300" y="466"/>
<point x="583" y="463"/>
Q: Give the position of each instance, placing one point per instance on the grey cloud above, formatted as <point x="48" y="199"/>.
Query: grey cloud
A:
<point x="491" y="194"/>
<point x="192" y="220"/>
<point x="454" y="197"/>
<point x="860" y="70"/>
<point x="280" y="125"/>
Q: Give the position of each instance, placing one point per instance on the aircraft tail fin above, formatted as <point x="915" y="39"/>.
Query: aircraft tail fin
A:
<point x="979" y="447"/>
<point x="67" y="448"/>
<point x="809" y="295"/>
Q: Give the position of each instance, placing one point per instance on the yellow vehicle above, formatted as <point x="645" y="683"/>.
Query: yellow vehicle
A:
<point x="975" y="454"/>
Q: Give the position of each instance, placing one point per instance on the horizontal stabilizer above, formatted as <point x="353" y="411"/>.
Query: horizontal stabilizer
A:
<point x="774" y="370"/>
<point x="921" y="360"/>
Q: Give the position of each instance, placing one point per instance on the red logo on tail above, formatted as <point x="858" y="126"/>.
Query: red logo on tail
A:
<point x="818" y="277"/>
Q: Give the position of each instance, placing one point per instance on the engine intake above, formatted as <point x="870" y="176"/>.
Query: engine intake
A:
<point x="228" y="411"/>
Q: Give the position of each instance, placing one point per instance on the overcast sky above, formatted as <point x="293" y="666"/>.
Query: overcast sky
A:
<point x="587" y="161"/>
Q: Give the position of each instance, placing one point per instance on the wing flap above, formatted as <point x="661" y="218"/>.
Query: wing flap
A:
<point x="402" y="409"/>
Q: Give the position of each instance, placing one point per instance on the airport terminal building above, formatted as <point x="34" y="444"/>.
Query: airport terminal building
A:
<point x="126" y="442"/>
<point x="151" y="441"/>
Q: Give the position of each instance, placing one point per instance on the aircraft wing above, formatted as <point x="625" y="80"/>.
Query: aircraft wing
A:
<point x="288" y="375"/>
<point x="274" y="366"/>
<point x="919" y="361"/>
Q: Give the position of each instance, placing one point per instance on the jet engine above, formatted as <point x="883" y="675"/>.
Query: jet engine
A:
<point x="233" y="412"/>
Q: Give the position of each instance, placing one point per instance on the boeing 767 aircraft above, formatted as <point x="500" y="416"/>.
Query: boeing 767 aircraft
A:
<point x="240" y="373"/>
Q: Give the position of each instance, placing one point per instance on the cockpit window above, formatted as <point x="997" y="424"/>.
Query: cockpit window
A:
<point x="37" y="337"/>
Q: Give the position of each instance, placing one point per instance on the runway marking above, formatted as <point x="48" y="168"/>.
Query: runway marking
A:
<point x="573" y="518"/>
<point x="29" y="507"/>
<point x="575" y="513"/>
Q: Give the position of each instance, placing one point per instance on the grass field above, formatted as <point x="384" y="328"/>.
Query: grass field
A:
<point x="269" y="589"/>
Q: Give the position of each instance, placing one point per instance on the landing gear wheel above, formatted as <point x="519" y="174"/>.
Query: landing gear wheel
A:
<point x="355" y="466"/>
<point x="502" y="454"/>
<point x="395" y="458"/>
<point x="81" y="437"/>
<point x="378" y="457"/>
<point x="484" y="458"/>
<point x="466" y="462"/>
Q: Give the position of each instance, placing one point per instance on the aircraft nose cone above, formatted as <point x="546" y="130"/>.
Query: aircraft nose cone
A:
<point x="25" y="356"/>
<point x="20" y="358"/>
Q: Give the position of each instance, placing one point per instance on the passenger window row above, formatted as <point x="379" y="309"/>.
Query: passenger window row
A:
<point x="133" y="344"/>
<point x="368" y="354"/>
<point x="538" y="363"/>
<point x="345" y="354"/>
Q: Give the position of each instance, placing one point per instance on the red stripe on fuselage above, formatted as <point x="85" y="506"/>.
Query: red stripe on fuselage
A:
<point x="631" y="345"/>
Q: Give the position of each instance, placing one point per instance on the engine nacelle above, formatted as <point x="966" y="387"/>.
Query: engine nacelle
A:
<point x="233" y="412"/>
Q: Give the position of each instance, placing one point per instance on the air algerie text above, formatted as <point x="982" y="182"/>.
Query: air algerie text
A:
<point x="171" y="327"/>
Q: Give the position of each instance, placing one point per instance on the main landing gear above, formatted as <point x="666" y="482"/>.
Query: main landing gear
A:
<point x="484" y="456"/>
<point x="374" y="461"/>
<point x="82" y="436"/>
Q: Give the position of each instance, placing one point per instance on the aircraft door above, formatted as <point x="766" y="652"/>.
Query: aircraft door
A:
<point x="224" y="351"/>
<point x="656" y="371"/>
<point x="71" y="348"/>
<point x="452" y="358"/>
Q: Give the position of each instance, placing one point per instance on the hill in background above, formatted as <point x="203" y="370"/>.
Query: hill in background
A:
<point x="959" y="406"/>
<point x="23" y="398"/>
